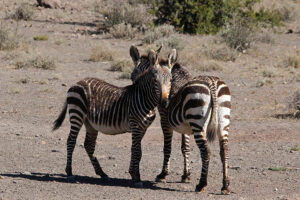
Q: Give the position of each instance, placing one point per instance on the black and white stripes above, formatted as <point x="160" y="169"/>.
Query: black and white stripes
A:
<point x="112" y="110"/>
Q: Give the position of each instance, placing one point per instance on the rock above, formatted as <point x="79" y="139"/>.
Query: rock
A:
<point x="63" y="84"/>
<point x="14" y="181"/>
<point x="275" y="189"/>
<point x="49" y="3"/>
<point x="26" y="173"/>
<point x="54" y="150"/>
<point x="111" y="158"/>
<point x="115" y="165"/>
<point x="1" y="177"/>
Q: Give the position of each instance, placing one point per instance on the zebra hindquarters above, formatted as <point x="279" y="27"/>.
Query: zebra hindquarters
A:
<point x="224" y="108"/>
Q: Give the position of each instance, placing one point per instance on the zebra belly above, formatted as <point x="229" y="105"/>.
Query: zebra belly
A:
<point x="183" y="128"/>
<point x="110" y="130"/>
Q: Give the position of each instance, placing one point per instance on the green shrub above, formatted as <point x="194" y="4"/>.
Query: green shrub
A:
<point x="123" y="31"/>
<point x="7" y="42"/>
<point x="23" y="12"/>
<point x="210" y="16"/>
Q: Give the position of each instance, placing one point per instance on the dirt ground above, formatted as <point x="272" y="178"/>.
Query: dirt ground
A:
<point x="32" y="158"/>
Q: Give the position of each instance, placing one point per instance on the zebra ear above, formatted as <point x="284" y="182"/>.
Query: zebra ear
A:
<point x="152" y="56"/>
<point x="135" y="55"/>
<point x="172" y="58"/>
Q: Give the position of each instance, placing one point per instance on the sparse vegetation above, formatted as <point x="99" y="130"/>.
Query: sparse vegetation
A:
<point x="101" y="53"/>
<point x="41" y="37"/>
<point x="122" y="12"/>
<point x="15" y="91"/>
<point x="295" y="104"/>
<point x="125" y="31"/>
<point x="121" y="65"/>
<point x="7" y="41"/>
<point x="42" y="82"/>
<point x="238" y="34"/>
<point x="295" y="148"/>
<point x="157" y="33"/>
<point x="23" y="12"/>
<point x="23" y="80"/>
<point x="38" y="62"/>
<point x="219" y="52"/>
<point x="277" y="169"/>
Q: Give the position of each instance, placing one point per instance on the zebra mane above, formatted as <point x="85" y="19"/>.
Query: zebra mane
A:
<point x="180" y="76"/>
<point x="142" y="74"/>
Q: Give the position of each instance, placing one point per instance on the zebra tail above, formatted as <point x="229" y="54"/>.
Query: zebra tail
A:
<point x="212" y="128"/>
<point x="58" y="122"/>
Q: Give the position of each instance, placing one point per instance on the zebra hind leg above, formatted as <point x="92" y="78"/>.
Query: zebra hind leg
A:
<point x="71" y="142"/>
<point x="167" y="153"/>
<point x="224" y="159"/>
<point x="205" y="156"/>
<point x="186" y="151"/>
<point x="89" y="145"/>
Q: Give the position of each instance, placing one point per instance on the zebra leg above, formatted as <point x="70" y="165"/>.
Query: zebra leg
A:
<point x="205" y="156"/>
<point x="186" y="151"/>
<point x="136" y="155"/>
<point x="168" y="134"/>
<point x="71" y="142"/>
<point x="89" y="145"/>
<point x="224" y="159"/>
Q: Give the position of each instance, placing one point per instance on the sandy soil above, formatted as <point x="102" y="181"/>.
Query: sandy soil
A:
<point x="32" y="158"/>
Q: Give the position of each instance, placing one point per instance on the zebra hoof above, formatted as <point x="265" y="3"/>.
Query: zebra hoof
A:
<point x="185" y="180"/>
<point x="160" y="180"/>
<point x="225" y="191"/>
<point x="200" y="188"/>
<point x="71" y="179"/>
<point x="138" y="184"/>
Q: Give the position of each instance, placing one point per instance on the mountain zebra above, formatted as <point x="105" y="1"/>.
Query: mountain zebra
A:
<point x="199" y="106"/>
<point x="113" y="110"/>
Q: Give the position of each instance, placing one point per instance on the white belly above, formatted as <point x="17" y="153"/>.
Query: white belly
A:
<point x="110" y="130"/>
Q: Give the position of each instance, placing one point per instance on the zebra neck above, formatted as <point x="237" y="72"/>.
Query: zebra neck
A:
<point x="149" y="90"/>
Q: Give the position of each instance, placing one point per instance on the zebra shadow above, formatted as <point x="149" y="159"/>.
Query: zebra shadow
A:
<point x="62" y="178"/>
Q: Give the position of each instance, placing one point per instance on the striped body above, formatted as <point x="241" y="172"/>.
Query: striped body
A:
<point x="198" y="106"/>
<point x="114" y="110"/>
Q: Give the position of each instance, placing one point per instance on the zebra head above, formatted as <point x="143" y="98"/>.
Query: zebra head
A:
<point x="160" y="68"/>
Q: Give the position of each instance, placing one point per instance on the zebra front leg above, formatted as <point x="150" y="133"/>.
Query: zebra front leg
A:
<point x="136" y="155"/>
<point x="168" y="134"/>
<point x="186" y="151"/>
<point x="89" y="145"/>
<point x="205" y="156"/>
<point x="224" y="159"/>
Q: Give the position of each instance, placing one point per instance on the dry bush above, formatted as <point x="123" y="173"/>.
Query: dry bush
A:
<point x="126" y="74"/>
<point x="7" y="41"/>
<point x="23" y="12"/>
<point x="124" y="31"/>
<point x="38" y="62"/>
<point x="121" y="65"/>
<point x="197" y="61"/>
<point x="172" y="42"/>
<point x="291" y="61"/>
<point x="158" y="32"/>
<point x="265" y="37"/>
<point x="219" y="51"/>
<point x="238" y="34"/>
<point x="295" y="104"/>
<point x="118" y="12"/>
<point x="101" y="53"/>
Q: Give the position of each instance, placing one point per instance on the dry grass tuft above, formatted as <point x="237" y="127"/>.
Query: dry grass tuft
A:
<point x="7" y="41"/>
<point x="124" y="31"/>
<point x="38" y="62"/>
<point x="121" y="65"/>
<point x="23" y="12"/>
<point x="158" y="32"/>
<point x="101" y="53"/>
<point x="291" y="61"/>
<point x="41" y="38"/>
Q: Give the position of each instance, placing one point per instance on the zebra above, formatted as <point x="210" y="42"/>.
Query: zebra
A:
<point x="114" y="110"/>
<point x="200" y="106"/>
